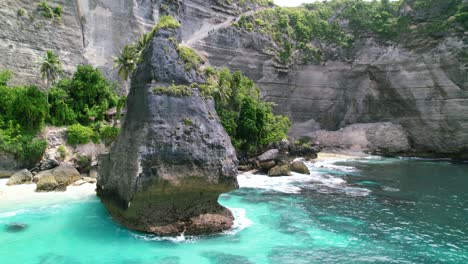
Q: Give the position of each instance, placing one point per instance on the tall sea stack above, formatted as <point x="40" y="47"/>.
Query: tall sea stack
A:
<point x="173" y="159"/>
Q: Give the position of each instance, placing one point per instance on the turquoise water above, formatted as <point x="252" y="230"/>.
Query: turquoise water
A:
<point x="367" y="211"/>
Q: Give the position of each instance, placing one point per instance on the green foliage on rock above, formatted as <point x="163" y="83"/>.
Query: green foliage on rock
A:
<point x="48" y="12"/>
<point x="247" y="119"/>
<point x="189" y="56"/>
<point x="303" y="34"/>
<point x="78" y="134"/>
<point x="109" y="134"/>
<point x="173" y="90"/>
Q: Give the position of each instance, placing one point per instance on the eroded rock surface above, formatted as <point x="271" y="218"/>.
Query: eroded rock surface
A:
<point x="173" y="159"/>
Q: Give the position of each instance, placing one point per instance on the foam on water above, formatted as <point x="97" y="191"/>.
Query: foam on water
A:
<point x="317" y="180"/>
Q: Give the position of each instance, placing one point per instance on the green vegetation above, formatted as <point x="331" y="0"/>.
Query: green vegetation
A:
<point x="85" y="98"/>
<point x="247" y="119"/>
<point x="22" y="114"/>
<point x="78" y="101"/>
<point x="131" y="55"/>
<point x="20" y="12"/>
<point x="51" y="68"/>
<point x="165" y="22"/>
<point x="78" y="134"/>
<point x="190" y="57"/>
<point x="109" y="134"/>
<point x="174" y="90"/>
<point x="48" y="12"/>
<point x="126" y="62"/>
<point x="304" y="33"/>
<point x="62" y="151"/>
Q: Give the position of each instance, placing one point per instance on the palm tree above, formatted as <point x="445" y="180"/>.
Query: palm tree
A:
<point x="126" y="63"/>
<point x="141" y="44"/>
<point x="51" y="68"/>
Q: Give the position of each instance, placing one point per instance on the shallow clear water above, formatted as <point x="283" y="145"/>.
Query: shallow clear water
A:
<point x="367" y="211"/>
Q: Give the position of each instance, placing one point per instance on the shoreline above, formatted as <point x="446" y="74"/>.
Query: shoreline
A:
<point x="15" y="197"/>
<point x="19" y="196"/>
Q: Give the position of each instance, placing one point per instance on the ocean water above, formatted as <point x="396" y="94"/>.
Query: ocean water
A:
<point x="371" y="210"/>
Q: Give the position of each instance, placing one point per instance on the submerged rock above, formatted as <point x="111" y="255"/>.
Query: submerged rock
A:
<point x="15" y="227"/>
<point x="173" y="159"/>
<point x="21" y="177"/>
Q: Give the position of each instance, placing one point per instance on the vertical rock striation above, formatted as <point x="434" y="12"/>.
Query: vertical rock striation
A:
<point x="173" y="159"/>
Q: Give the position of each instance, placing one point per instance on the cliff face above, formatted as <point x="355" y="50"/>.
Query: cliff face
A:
<point x="91" y="31"/>
<point x="422" y="88"/>
<point x="418" y="84"/>
<point x="173" y="159"/>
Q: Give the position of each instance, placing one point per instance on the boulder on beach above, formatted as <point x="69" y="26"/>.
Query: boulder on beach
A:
<point x="20" y="177"/>
<point x="57" y="179"/>
<point x="300" y="167"/>
<point x="281" y="170"/>
<point x="46" y="182"/>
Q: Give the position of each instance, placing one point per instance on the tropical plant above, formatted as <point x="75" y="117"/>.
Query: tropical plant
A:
<point x="127" y="61"/>
<point x="51" y="68"/>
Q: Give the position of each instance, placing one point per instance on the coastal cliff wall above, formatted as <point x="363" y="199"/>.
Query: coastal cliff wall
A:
<point x="421" y="87"/>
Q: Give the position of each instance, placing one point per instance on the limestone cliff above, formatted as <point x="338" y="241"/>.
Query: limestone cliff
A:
<point x="173" y="159"/>
<point x="418" y="83"/>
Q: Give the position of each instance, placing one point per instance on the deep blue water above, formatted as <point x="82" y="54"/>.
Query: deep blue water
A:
<point x="366" y="211"/>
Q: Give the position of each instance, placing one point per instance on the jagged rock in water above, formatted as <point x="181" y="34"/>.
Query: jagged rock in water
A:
<point x="15" y="227"/>
<point x="173" y="159"/>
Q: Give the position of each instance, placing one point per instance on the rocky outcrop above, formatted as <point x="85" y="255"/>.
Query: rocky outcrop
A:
<point x="299" y="167"/>
<point x="280" y="170"/>
<point x="57" y="179"/>
<point x="378" y="138"/>
<point x="173" y="159"/>
<point x="21" y="177"/>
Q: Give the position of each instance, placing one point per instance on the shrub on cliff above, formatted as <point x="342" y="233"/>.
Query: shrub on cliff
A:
<point x="247" y="119"/>
<point x="78" y="134"/>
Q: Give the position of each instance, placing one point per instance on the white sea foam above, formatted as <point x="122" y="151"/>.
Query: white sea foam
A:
<point x="241" y="221"/>
<point x="11" y="213"/>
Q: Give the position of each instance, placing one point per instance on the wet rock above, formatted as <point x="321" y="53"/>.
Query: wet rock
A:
<point x="21" y="177"/>
<point x="57" y="179"/>
<point x="266" y="165"/>
<point x="299" y="167"/>
<point x="282" y="170"/>
<point x="15" y="227"/>
<point x="162" y="175"/>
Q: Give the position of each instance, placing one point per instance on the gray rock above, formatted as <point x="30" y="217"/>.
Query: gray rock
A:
<point x="66" y="175"/>
<point x="269" y="155"/>
<point x="46" y="182"/>
<point x="300" y="167"/>
<point x="79" y="182"/>
<point x="378" y="138"/>
<point x="162" y="175"/>
<point x="282" y="170"/>
<point x="93" y="173"/>
<point x="21" y="177"/>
